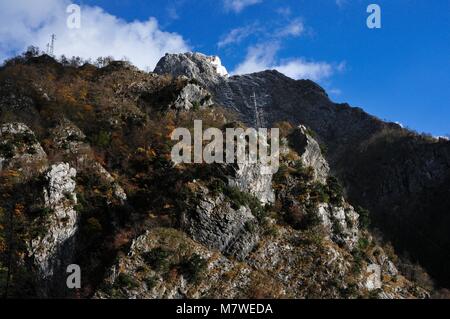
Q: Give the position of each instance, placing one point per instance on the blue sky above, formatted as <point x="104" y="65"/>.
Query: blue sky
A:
<point x="400" y="72"/>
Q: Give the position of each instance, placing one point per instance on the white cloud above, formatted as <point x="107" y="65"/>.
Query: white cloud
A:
<point x="301" y="69"/>
<point x="172" y="12"/>
<point x="341" y="66"/>
<point x="101" y="34"/>
<point x="174" y="9"/>
<point x="341" y="3"/>
<point x="294" y="28"/>
<point x="263" y="57"/>
<point x="237" y="35"/>
<point x="239" y="5"/>
<point x="259" y="58"/>
<point x="335" y="91"/>
<point x="284" y="11"/>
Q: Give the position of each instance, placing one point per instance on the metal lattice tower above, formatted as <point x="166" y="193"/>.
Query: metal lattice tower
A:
<point x="51" y="45"/>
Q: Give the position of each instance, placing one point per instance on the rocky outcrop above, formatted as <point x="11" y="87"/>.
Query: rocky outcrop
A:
<point x="308" y="189"/>
<point x="341" y="222"/>
<point x="52" y="251"/>
<point x="192" y="96"/>
<point x="71" y="141"/>
<point x="219" y="277"/>
<point x="20" y="150"/>
<point x="373" y="280"/>
<point x="255" y="179"/>
<point x="285" y="264"/>
<point x="68" y="138"/>
<point x="310" y="153"/>
<point x="217" y="225"/>
<point x="196" y="66"/>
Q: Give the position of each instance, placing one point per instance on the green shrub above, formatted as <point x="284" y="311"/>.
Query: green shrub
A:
<point x="323" y="149"/>
<point x="7" y="150"/>
<point x="312" y="217"/>
<point x="102" y="139"/>
<point x="363" y="244"/>
<point x="125" y="281"/>
<point x="25" y="138"/>
<point x="239" y="198"/>
<point x="93" y="226"/>
<point x="196" y="105"/>
<point x="217" y="186"/>
<point x="151" y="282"/>
<point x="320" y="193"/>
<point x="193" y="267"/>
<point x="310" y="132"/>
<point x="335" y="190"/>
<point x="364" y="217"/>
<point x="157" y="258"/>
<point x="45" y="211"/>
<point x="337" y="227"/>
<point x="280" y="176"/>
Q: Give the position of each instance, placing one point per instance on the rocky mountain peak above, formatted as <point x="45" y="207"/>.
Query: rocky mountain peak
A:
<point x="193" y="65"/>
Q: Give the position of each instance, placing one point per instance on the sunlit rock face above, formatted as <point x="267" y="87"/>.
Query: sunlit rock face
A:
<point x="310" y="153"/>
<point x="248" y="178"/>
<point x="217" y="225"/>
<point x="395" y="173"/>
<point x="200" y="67"/>
<point x="53" y="251"/>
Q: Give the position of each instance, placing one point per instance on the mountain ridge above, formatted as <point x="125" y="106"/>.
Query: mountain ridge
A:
<point x="349" y="135"/>
<point x="88" y="179"/>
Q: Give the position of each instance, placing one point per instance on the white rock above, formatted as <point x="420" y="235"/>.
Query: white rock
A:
<point x="190" y="95"/>
<point x="61" y="224"/>
<point x="313" y="157"/>
<point x="373" y="280"/>
<point x="221" y="70"/>
<point x="248" y="178"/>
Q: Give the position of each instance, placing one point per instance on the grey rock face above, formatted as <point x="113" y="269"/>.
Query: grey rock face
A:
<point x="20" y="150"/>
<point x="212" y="283"/>
<point x="119" y="192"/>
<point x="265" y="98"/>
<point x="373" y="280"/>
<point x="52" y="252"/>
<point x="192" y="96"/>
<point x="311" y="154"/>
<point x="341" y="223"/>
<point x="248" y="178"/>
<point x="215" y="224"/>
<point x="196" y="66"/>
<point x="71" y="140"/>
<point x="68" y="136"/>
